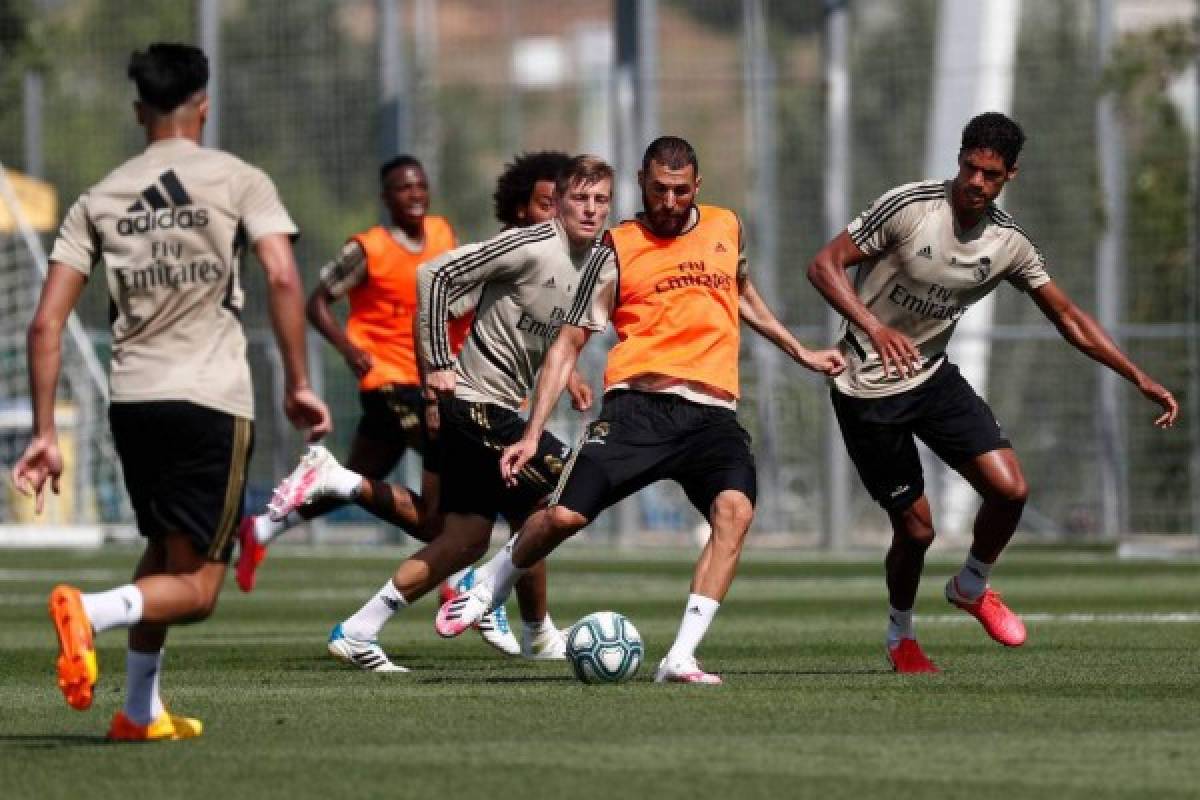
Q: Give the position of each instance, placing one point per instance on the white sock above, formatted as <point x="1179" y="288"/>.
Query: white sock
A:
<point x="697" y="616"/>
<point x="143" y="704"/>
<point x="267" y="529"/>
<point x="368" y="621"/>
<point x="539" y="627"/>
<point x="116" y="608"/>
<point x="972" y="579"/>
<point x="900" y="626"/>
<point x="503" y="572"/>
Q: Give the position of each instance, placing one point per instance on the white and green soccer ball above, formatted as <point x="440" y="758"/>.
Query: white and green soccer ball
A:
<point x="604" y="647"/>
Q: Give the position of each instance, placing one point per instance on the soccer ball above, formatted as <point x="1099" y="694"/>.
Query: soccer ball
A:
<point x="604" y="647"/>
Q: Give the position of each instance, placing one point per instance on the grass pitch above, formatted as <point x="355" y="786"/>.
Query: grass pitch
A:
<point x="1104" y="700"/>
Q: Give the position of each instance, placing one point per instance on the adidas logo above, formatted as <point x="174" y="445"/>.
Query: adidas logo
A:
<point x="926" y="252"/>
<point x="549" y="284"/>
<point x="155" y="211"/>
<point x="720" y="248"/>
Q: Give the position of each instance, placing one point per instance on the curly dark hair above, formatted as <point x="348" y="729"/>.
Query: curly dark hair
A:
<point x="996" y="132"/>
<point x="515" y="185"/>
<point x="168" y="74"/>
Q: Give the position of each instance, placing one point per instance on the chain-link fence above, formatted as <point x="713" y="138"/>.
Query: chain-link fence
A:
<point x="318" y="93"/>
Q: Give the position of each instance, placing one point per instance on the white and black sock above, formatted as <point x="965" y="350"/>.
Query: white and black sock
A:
<point x="116" y="608"/>
<point x="697" y="616"/>
<point x="368" y="621"/>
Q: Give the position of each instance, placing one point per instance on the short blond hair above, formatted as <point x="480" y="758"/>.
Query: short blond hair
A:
<point x="585" y="169"/>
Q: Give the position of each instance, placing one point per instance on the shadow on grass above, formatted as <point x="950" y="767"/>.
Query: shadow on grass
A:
<point x="51" y="741"/>
<point x="785" y="673"/>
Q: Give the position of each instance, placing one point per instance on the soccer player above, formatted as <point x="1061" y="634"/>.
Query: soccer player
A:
<point x="170" y="226"/>
<point x="376" y="271"/>
<point x="671" y="389"/>
<point x="926" y="252"/>
<point x="522" y="283"/>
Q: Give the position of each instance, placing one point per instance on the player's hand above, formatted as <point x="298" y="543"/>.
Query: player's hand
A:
<point x="433" y="417"/>
<point x="827" y="362"/>
<point x="514" y="458"/>
<point x="308" y="413"/>
<point x="896" y="351"/>
<point x="581" y="393"/>
<point x="359" y="361"/>
<point x="442" y="382"/>
<point x="41" y="460"/>
<point x="1158" y="393"/>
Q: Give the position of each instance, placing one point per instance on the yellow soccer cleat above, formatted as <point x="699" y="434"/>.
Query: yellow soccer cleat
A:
<point x="186" y="727"/>
<point x="166" y="728"/>
<point x="78" y="668"/>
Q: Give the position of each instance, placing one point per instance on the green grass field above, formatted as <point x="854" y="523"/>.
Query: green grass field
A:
<point x="1104" y="700"/>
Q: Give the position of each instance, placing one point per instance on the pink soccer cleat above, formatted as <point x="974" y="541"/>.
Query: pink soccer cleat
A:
<point x="688" y="671"/>
<point x="908" y="659"/>
<point x="996" y="618"/>
<point x="250" y="555"/>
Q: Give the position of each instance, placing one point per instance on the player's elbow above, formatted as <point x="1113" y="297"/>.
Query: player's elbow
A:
<point x="818" y="271"/>
<point x="43" y="330"/>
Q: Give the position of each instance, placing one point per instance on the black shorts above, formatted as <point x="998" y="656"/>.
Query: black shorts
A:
<point x="944" y="412"/>
<point x="395" y="413"/>
<point x="643" y="437"/>
<point x="185" y="470"/>
<point x="472" y="437"/>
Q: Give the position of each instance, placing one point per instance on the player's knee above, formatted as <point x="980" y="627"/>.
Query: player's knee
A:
<point x="913" y="527"/>
<point x="732" y="511"/>
<point x="1012" y="491"/>
<point x="565" y="520"/>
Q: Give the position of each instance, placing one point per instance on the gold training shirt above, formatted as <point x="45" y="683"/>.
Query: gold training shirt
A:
<point x="171" y="226"/>
<point x="922" y="274"/>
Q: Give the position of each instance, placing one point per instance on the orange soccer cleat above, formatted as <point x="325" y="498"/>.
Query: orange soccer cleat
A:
<point x="78" y="669"/>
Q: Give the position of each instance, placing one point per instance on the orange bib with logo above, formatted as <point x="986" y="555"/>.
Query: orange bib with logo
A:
<point x="677" y="304"/>
<point x="383" y="306"/>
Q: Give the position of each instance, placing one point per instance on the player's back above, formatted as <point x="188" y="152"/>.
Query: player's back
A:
<point x="170" y="226"/>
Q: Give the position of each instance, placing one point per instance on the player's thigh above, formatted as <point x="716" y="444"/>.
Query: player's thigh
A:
<point x="186" y="466"/>
<point x="956" y="423"/>
<point x="879" y="439"/>
<point x="391" y="422"/>
<point x="715" y="458"/>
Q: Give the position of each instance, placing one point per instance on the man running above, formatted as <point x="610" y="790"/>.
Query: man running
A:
<point x="170" y="226"/>
<point x="926" y="252"/>
<point x="376" y="272"/>
<point x="671" y="389"/>
<point x="522" y="283"/>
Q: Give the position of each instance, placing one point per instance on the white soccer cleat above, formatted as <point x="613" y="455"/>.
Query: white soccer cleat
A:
<point x="549" y="644"/>
<point x="687" y="671"/>
<point x="465" y="610"/>
<point x="495" y="631"/>
<point x="366" y="655"/>
<point x="307" y="482"/>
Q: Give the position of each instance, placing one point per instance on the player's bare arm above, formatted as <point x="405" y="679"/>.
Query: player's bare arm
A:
<point x="41" y="459"/>
<point x="755" y="313"/>
<point x="286" y="302"/>
<point x="321" y="316"/>
<point x="552" y="379"/>
<point x="827" y="273"/>
<point x="1087" y="336"/>
<point x="580" y="391"/>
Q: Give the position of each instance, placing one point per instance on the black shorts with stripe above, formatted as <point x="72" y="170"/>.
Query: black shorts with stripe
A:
<point x="944" y="412"/>
<point x="185" y="470"/>
<point x="395" y="414"/>
<point x="644" y="437"/>
<point x="472" y="438"/>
